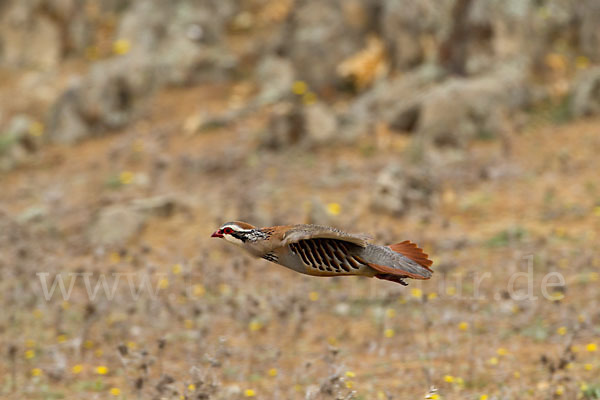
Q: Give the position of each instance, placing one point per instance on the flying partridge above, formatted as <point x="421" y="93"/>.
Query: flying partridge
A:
<point x="325" y="251"/>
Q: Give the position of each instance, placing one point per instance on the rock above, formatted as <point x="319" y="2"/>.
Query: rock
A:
<point x="306" y="125"/>
<point x="405" y="22"/>
<point x="320" y="124"/>
<point x="107" y="98"/>
<point x="164" y="43"/>
<point x="27" y="37"/>
<point x="66" y="123"/>
<point x="395" y="101"/>
<point x="116" y="225"/>
<point x="160" y="206"/>
<point x="588" y="13"/>
<point x="286" y="126"/>
<point x="585" y="94"/>
<point x="183" y="38"/>
<point x="275" y="75"/>
<point x="461" y="109"/>
<point x="18" y="141"/>
<point x="398" y="189"/>
<point x="314" y="26"/>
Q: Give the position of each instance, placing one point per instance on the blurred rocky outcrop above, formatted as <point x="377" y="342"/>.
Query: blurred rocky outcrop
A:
<point x="444" y="71"/>
<point x="319" y="35"/>
<point x="19" y="140"/>
<point x="399" y="188"/>
<point x="309" y="126"/>
<point x="115" y="225"/>
<point x="159" y="43"/>
<point x="585" y="94"/>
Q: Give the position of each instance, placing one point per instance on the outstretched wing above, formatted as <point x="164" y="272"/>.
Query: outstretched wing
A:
<point x="304" y="232"/>
<point x="323" y="256"/>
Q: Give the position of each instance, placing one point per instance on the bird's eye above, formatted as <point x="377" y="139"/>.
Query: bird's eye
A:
<point x="228" y="231"/>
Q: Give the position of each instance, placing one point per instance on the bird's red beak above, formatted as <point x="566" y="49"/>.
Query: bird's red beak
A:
<point x="218" y="234"/>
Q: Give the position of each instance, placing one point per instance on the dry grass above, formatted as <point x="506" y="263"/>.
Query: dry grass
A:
<point x="225" y="326"/>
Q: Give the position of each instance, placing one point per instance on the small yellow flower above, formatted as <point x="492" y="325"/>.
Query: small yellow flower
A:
<point x="449" y="378"/>
<point x="36" y="129"/>
<point x="556" y="296"/>
<point x="36" y="372"/>
<point x="334" y="208"/>
<point x="188" y="323"/>
<point x="582" y="62"/>
<point x="432" y="295"/>
<point x="132" y="345"/>
<point x="76" y="369"/>
<point x="350" y="374"/>
<point x="434" y="396"/>
<point x="597" y="211"/>
<point x="591" y="347"/>
<point x="502" y="351"/>
<point x="309" y="98"/>
<point x="583" y="387"/>
<point x="88" y="344"/>
<point x="313" y="296"/>
<point x="199" y="290"/>
<point x="390" y="313"/>
<point x="115" y="391"/>
<point x="463" y="326"/>
<point x="416" y="292"/>
<point x="163" y="283"/>
<point x="483" y="397"/>
<point x="451" y="291"/>
<point x="37" y="313"/>
<point x="176" y="269"/>
<point x="460" y="381"/>
<point x="299" y="88"/>
<point x="249" y="393"/>
<point x="517" y="374"/>
<point x="102" y="370"/>
<point x="560" y="389"/>
<point x="29" y="343"/>
<point x="29" y="354"/>
<point x="349" y="384"/>
<point x="575" y="348"/>
<point x="569" y="365"/>
<point x="588" y="367"/>
<point x="594" y="276"/>
<point x="389" y="333"/>
<point x="562" y="330"/>
<point x="61" y="338"/>
<point x="255" y="325"/>
<point x="121" y="46"/>
<point x="126" y="177"/>
<point x="272" y="372"/>
<point x="493" y="361"/>
<point x="191" y="387"/>
<point x="114" y="257"/>
<point x="65" y="305"/>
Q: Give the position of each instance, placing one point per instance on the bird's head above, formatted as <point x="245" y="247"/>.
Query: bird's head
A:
<point x="237" y="232"/>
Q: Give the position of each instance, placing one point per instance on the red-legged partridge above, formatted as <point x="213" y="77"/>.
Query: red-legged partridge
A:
<point x="325" y="251"/>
